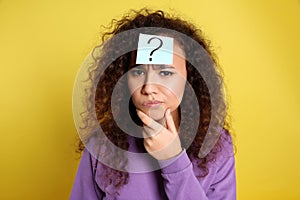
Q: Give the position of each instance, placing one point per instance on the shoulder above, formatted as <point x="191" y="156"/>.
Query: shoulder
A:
<point x="221" y="165"/>
<point x="226" y="147"/>
<point x="222" y="153"/>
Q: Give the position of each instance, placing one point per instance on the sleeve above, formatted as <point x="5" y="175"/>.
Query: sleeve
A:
<point x="181" y="183"/>
<point x="85" y="186"/>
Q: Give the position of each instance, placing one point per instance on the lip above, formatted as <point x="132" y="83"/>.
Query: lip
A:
<point x="151" y="104"/>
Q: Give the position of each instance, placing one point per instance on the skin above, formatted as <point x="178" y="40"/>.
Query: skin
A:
<point x="156" y="91"/>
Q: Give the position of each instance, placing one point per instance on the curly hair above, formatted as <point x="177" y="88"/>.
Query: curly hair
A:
<point x="108" y="78"/>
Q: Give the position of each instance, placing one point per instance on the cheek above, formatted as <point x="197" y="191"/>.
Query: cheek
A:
<point x="135" y="97"/>
<point x="175" y="91"/>
<point x="173" y="100"/>
<point x="134" y="85"/>
<point x="131" y="87"/>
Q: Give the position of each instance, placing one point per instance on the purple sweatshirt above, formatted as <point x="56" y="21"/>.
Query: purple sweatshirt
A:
<point x="175" y="181"/>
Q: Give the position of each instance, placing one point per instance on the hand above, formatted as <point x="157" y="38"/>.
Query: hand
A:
<point x="160" y="142"/>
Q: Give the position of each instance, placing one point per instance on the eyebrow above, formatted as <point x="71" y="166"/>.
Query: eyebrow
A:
<point x="155" y="67"/>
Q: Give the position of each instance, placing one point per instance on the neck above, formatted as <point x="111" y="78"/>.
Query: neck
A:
<point x="176" y="118"/>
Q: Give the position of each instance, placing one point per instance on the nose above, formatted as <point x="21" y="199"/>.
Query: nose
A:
<point x="149" y="87"/>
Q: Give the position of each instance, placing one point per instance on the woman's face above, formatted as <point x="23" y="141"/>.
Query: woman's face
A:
<point x="155" y="88"/>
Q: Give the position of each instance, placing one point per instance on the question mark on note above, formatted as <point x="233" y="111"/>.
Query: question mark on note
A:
<point x="160" y="45"/>
<point x="154" y="49"/>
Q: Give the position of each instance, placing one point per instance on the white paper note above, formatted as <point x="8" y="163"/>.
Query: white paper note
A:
<point x="154" y="49"/>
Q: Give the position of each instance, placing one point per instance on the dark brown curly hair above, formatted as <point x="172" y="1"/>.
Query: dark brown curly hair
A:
<point x="108" y="78"/>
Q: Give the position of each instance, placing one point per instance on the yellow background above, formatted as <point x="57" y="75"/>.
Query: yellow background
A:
<point x="43" y="43"/>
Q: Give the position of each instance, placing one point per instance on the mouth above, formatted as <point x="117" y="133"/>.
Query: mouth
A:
<point x="151" y="104"/>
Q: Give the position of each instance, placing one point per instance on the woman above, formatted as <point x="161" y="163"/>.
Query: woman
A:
<point x="177" y="116"/>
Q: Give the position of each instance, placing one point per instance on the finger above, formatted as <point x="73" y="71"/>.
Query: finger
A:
<point x="148" y="121"/>
<point x="145" y="133"/>
<point x="145" y="118"/>
<point x="151" y="127"/>
<point x="170" y="122"/>
<point x="162" y="121"/>
<point x="154" y="129"/>
<point x="150" y="133"/>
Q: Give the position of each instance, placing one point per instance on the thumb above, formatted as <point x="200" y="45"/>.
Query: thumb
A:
<point x="169" y="121"/>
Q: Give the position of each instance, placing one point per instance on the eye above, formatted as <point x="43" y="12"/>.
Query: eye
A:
<point x="137" y="72"/>
<point x="166" y="73"/>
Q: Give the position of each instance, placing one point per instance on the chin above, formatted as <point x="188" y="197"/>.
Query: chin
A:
<point x="157" y="117"/>
<point x="156" y="114"/>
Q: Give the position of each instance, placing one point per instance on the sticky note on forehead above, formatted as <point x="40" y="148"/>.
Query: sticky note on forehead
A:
<point x="154" y="49"/>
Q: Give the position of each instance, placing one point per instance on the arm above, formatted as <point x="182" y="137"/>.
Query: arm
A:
<point x="85" y="186"/>
<point x="181" y="183"/>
